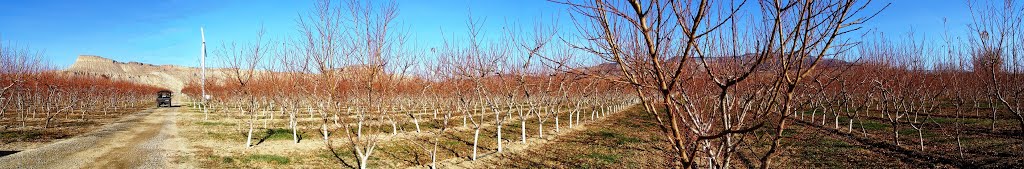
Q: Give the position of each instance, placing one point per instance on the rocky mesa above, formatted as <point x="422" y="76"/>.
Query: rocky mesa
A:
<point x="172" y="77"/>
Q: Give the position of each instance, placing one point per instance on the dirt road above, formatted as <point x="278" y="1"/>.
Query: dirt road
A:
<point x="147" y="139"/>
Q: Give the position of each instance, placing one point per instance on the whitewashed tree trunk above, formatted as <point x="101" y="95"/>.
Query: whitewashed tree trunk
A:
<point x="540" y="128"/>
<point x="416" y="122"/>
<point x="578" y="114"/>
<point x="394" y="126"/>
<point x="814" y="114"/>
<point x="824" y="118"/>
<point x="336" y="118"/>
<point x="359" y="126"/>
<point x="499" y="138"/>
<point x="248" y="137"/>
<point x="498" y="123"/>
<point x="849" y="128"/>
<point x="323" y="128"/>
<point x="268" y="109"/>
<point x="569" y="119"/>
<point x="476" y="137"/>
<point x="363" y="156"/>
<point x="433" y="156"/>
<point x="593" y="114"/>
<point x="522" y="125"/>
<point x="556" y="123"/>
<point x="294" y="124"/>
<point x="920" y="138"/>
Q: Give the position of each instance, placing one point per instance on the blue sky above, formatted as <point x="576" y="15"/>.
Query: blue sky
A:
<point x="167" y="31"/>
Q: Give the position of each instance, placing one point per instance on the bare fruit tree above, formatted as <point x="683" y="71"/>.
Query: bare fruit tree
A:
<point x="669" y="50"/>
<point x="243" y="60"/>
<point x="997" y="53"/>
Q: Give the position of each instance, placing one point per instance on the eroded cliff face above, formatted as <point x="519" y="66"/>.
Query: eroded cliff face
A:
<point x="171" y="77"/>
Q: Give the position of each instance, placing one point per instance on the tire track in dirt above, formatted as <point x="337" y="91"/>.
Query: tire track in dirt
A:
<point x="147" y="139"/>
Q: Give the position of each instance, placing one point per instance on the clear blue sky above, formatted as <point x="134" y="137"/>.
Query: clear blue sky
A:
<point x="167" y="31"/>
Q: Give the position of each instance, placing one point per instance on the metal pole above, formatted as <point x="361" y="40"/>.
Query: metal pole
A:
<point x="202" y="64"/>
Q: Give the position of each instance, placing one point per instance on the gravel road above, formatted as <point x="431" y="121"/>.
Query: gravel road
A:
<point x="146" y="139"/>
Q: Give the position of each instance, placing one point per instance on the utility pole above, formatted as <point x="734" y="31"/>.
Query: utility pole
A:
<point x="202" y="83"/>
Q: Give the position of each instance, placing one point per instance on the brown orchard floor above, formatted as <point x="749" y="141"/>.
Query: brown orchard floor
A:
<point x="14" y="137"/>
<point x="630" y="139"/>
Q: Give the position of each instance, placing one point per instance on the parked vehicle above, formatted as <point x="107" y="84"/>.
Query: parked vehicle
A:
<point x="163" y="98"/>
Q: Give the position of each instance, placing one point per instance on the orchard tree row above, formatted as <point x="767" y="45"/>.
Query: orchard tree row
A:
<point x="35" y="96"/>
<point x="723" y="79"/>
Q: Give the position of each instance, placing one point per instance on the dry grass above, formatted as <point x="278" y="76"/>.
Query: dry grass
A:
<point x="630" y="139"/>
<point x="219" y="142"/>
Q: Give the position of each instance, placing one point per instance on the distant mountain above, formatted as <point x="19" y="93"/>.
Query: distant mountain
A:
<point x="172" y="77"/>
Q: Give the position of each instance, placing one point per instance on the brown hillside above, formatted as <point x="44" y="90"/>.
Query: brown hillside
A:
<point x="172" y="77"/>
